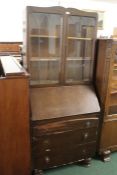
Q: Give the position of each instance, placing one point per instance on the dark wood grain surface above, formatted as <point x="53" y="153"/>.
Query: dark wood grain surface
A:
<point x="53" y="102"/>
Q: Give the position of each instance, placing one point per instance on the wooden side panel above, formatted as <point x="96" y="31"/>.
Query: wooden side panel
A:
<point x="109" y="135"/>
<point x="14" y="127"/>
<point x="102" y="69"/>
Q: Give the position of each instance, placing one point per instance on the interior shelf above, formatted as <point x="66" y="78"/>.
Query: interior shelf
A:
<point x="37" y="82"/>
<point x="44" y="36"/>
<point x="58" y="58"/>
<point x="77" y="38"/>
<point x="53" y="36"/>
<point x="79" y="81"/>
<point x="45" y="59"/>
<point x="78" y="58"/>
<point x="113" y="91"/>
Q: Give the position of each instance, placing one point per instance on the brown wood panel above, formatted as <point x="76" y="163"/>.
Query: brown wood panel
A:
<point x="14" y="127"/>
<point x="53" y="102"/>
<point x="109" y="135"/>
<point x="104" y="56"/>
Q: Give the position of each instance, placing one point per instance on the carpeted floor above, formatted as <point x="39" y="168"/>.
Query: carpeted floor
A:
<point x="97" y="168"/>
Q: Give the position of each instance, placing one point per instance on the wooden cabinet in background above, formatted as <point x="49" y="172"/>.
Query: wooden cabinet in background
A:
<point x="14" y="119"/>
<point x="62" y="41"/>
<point x="106" y="83"/>
<point x="10" y="48"/>
<point x="59" y="55"/>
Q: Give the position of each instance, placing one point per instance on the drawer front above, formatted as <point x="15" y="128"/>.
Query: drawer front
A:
<point x="50" y="160"/>
<point x="62" y="142"/>
<point x="59" y="126"/>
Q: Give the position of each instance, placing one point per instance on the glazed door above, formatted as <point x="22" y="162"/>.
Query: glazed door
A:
<point x="45" y="45"/>
<point x="81" y="32"/>
<point x="112" y="95"/>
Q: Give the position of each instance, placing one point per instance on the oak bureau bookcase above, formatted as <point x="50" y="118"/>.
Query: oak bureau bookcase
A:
<point x="59" y="55"/>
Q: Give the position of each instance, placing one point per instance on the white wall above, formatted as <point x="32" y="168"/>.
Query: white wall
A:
<point x="11" y="15"/>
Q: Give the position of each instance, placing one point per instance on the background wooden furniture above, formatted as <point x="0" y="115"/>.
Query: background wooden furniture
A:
<point x="106" y="82"/>
<point x="59" y="51"/>
<point x="10" y="48"/>
<point x="14" y="119"/>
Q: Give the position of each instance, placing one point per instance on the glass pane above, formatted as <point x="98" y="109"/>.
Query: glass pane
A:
<point x="80" y="35"/>
<point x="79" y="49"/>
<point x="81" y="26"/>
<point x="45" y="47"/>
<point x="113" y="90"/>
<point x="44" y="72"/>
<point x="78" y="70"/>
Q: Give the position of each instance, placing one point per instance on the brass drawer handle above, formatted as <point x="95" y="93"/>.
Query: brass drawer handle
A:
<point x="86" y="135"/>
<point x="46" y="142"/>
<point x="84" y="151"/>
<point x="88" y="124"/>
<point x="48" y="150"/>
<point x="47" y="159"/>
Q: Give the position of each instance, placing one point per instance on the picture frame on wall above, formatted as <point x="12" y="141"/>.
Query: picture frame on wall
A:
<point x="100" y="24"/>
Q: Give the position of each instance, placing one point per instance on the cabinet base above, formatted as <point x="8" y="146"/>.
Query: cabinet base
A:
<point x="86" y="162"/>
<point x="105" y="156"/>
<point x="37" y="172"/>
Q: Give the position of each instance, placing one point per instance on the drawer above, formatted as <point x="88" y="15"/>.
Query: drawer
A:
<point x="63" y="141"/>
<point x="64" y="125"/>
<point x="77" y="153"/>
